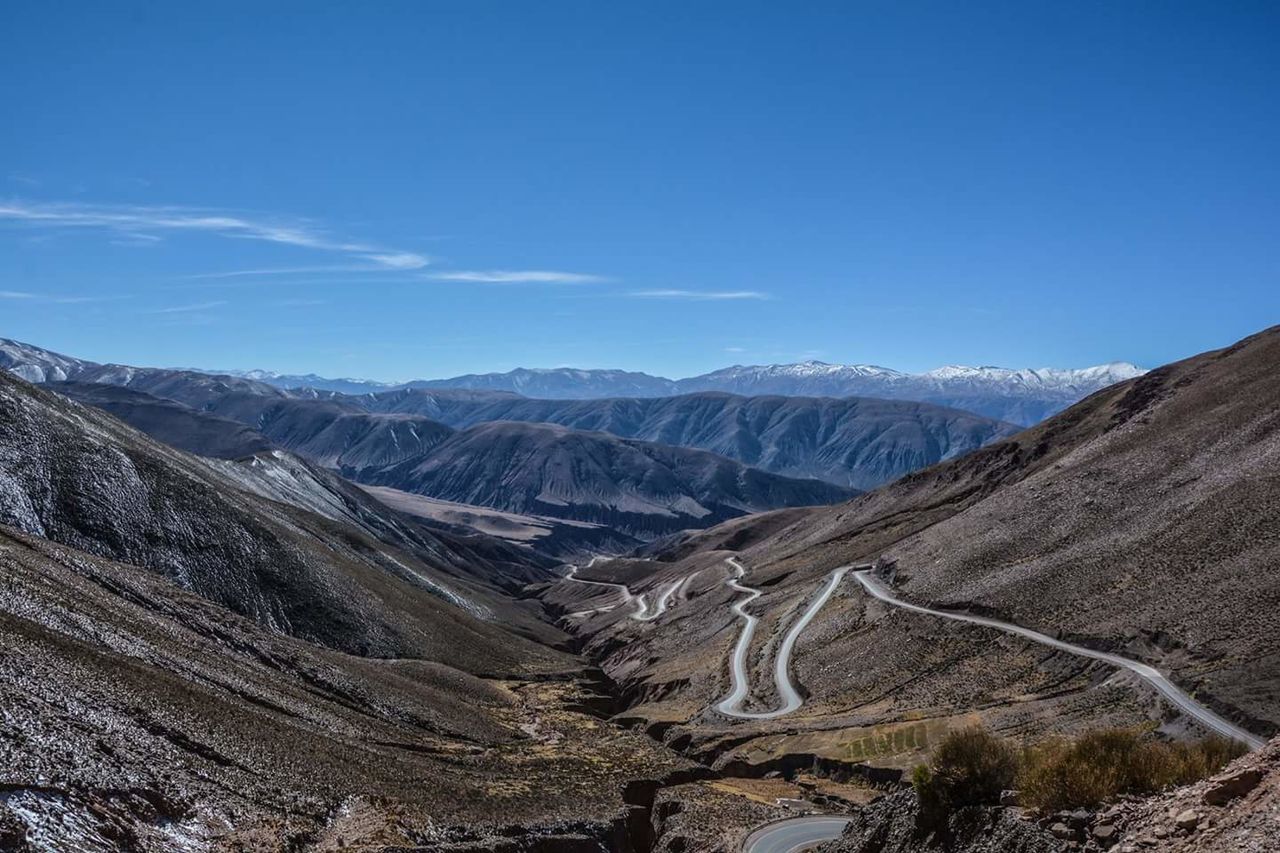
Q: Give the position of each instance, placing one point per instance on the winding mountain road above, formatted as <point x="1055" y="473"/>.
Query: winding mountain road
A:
<point x="797" y="833"/>
<point x="661" y="602"/>
<point x="800" y="833"/>
<point x="731" y="705"/>
<point x="1149" y="674"/>
<point x="571" y="575"/>
<point x="643" y="612"/>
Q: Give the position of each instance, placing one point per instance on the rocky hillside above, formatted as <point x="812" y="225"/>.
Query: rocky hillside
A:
<point x="253" y="654"/>
<point x="76" y="476"/>
<point x="140" y="716"/>
<point x="639" y="488"/>
<point x="860" y="443"/>
<point x="1234" y="811"/>
<point x="1137" y="521"/>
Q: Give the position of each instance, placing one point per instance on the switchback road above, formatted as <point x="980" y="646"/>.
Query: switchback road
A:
<point x="731" y="705"/>
<point x="1149" y="674"/>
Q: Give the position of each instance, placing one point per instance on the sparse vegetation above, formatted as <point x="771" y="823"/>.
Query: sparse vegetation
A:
<point x="1102" y="765"/>
<point x="971" y="767"/>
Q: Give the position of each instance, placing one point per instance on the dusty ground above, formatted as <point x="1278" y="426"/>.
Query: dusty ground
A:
<point x="1237" y="811"/>
<point x="1145" y="520"/>
<point x="133" y="710"/>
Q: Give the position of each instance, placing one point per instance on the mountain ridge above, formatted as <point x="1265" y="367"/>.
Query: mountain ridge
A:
<point x="1138" y="522"/>
<point x="851" y="442"/>
<point x="1020" y="395"/>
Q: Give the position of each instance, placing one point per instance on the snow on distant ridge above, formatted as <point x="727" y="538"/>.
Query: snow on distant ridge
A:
<point x="1023" y="396"/>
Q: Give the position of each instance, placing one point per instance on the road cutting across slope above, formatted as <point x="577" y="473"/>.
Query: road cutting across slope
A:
<point x="621" y="589"/>
<point x="1149" y="674"/>
<point x="796" y="833"/>
<point x="642" y="612"/>
<point x="731" y="705"/>
<point x="662" y="601"/>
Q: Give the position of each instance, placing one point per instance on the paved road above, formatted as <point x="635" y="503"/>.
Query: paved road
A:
<point x="644" y="614"/>
<point x="731" y="705"/>
<point x="642" y="611"/>
<point x="797" y="833"/>
<point x="621" y="589"/>
<point x="1151" y="675"/>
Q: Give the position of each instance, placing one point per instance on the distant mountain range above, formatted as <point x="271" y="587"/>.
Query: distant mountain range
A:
<point x="856" y="442"/>
<point x="850" y="442"/>
<point x="638" y="488"/>
<point x="1024" y="397"/>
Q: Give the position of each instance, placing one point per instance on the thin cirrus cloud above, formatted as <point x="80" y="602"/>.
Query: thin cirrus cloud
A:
<point x="139" y="224"/>
<point x="190" y="309"/>
<point x="699" y="295"/>
<point x="57" y="299"/>
<point x="518" y="277"/>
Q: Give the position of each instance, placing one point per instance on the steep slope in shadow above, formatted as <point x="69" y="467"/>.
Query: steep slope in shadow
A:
<point x="335" y="433"/>
<point x="79" y="477"/>
<point x="856" y="442"/>
<point x="169" y="421"/>
<point x="640" y="488"/>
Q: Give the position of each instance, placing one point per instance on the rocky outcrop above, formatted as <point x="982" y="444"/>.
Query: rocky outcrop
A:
<point x="891" y="825"/>
<point x="1235" y="810"/>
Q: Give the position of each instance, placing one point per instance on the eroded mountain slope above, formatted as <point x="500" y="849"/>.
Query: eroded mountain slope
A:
<point x="139" y="716"/>
<point x="857" y="442"/>
<point x="638" y="488"/>
<point x="1143" y="520"/>
<point x="77" y="476"/>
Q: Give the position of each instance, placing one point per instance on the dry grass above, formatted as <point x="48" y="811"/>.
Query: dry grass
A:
<point x="970" y="767"/>
<point x="1102" y="765"/>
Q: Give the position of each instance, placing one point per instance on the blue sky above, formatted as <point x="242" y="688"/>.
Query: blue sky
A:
<point x="403" y="189"/>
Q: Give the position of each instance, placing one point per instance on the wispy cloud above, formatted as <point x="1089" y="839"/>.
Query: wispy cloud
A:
<point x="698" y="295"/>
<point x="299" y="303"/>
<point x="132" y="221"/>
<point x="328" y="269"/>
<point x="58" y="299"/>
<point x="189" y="309"/>
<point x="518" y="277"/>
<point x="735" y="349"/>
<point x="136" y="238"/>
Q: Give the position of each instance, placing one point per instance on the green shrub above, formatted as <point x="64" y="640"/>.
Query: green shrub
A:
<point x="1099" y="766"/>
<point x="933" y="806"/>
<point x="970" y="767"/>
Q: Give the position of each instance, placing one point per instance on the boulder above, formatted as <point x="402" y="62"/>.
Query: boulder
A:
<point x="1187" y="820"/>
<point x="1105" y="834"/>
<point x="1228" y="786"/>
